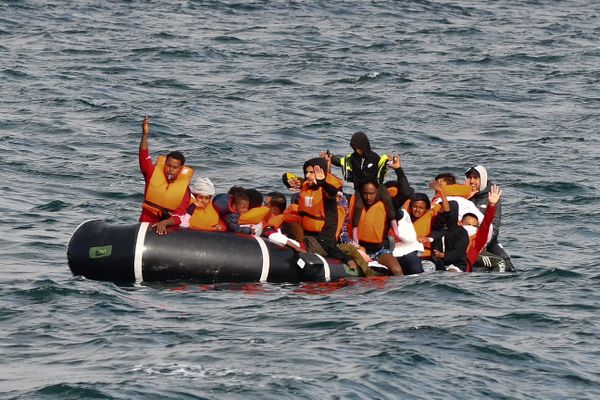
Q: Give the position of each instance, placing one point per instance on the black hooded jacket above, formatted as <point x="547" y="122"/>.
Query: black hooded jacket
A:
<point x="450" y="238"/>
<point x="361" y="167"/>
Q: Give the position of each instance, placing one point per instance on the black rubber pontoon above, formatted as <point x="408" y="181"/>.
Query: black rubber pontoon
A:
<point x="135" y="253"/>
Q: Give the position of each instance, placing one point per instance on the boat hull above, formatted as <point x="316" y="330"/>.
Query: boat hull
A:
<point x="135" y="253"/>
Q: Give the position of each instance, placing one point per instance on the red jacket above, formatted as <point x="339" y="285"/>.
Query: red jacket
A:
<point x="481" y="236"/>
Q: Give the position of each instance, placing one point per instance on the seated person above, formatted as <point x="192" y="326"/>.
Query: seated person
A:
<point x="477" y="258"/>
<point x="373" y="227"/>
<point x="458" y="193"/>
<point x="450" y="241"/>
<point x="230" y="206"/>
<point x="423" y="216"/>
<point x="201" y="213"/>
<point x="275" y="221"/>
<point x="318" y="212"/>
<point x="407" y="247"/>
<point x="477" y="178"/>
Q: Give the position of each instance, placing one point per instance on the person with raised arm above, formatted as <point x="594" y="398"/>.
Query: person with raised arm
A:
<point x="166" y="192"/>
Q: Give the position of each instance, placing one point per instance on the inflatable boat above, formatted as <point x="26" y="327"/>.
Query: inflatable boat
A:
<point x="135" y="253"/>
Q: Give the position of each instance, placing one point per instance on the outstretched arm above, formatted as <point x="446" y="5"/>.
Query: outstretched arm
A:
<point x="484" y="228"/>
<point x="439" y="189"/>
<point x="404" y="189"/>
<point x="145" y="132"/>
<point x="145" y="160"/>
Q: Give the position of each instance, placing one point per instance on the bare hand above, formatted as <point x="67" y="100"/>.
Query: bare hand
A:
<point x="326" y="155"/>
<point x="439" y="255"/>
<point x="145" y="126"/>
<point x="494" y="195"/>
<point x="295" y="184"/>
<point x="437" y="186"/>
<point x="352" y="265"/>
<point x="160" y="227"/>
<point x="319" y="173"/>
<point x="394" y="161"/>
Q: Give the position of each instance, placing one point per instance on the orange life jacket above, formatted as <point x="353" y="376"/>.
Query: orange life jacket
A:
<point x="392" y="191"/>
<point x="207" y="219"/>
<point x="164" y="196"/>
<point x="423" y="223"/>
<point x="311" y="205"/>
<point x="372" y="225"/>
<point x="423" y="227"/>
<point x="455" y="190"/>
<point x="254" y="215"/>
<point x="290" y="215"/>
<point x="274" y="221"/>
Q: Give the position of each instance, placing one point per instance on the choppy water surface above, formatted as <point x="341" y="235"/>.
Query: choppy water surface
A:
<point x="249" y="90"/>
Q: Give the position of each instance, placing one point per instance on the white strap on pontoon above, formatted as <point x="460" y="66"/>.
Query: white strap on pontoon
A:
<point x="325" y="267"/>
<point x="266" y="258"/>
<point x="139" y="251"/>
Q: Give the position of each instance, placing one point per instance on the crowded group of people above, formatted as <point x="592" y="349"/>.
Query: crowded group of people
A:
<point x="381" y="226"/>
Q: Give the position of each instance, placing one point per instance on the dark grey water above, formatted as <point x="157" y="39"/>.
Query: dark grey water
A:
<point x="250" y="89"/>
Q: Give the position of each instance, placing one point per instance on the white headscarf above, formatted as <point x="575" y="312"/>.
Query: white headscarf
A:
<point x="202" y="186"/>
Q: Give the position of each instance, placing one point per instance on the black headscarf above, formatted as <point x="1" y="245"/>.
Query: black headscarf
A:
<point x="313" y="162"/>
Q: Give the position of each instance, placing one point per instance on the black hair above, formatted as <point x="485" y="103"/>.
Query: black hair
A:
<point x="177" y="155"/>
<point x="235" y="189"/>
<point x="367" y="181"/>
<point x="469" y="214"/>
<point x="422" y="197"/>
<point x="447" y="177"/>
<point x="240" y="196"/>
<point x="277" y="200"/>
<point x="255" y="197"/>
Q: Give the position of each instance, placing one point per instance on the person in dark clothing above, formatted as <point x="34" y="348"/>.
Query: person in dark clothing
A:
<point x="362" y="165"/>
<point x="317" y="207"/>
<point x="477" y="177"/>
<point x="450" y="241"/>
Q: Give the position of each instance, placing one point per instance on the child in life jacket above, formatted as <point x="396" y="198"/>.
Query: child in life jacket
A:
<point x="230" y="206"/>
<point x="273" y="223"/>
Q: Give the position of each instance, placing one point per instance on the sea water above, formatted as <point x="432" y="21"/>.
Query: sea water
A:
<point x="249" y="90"/>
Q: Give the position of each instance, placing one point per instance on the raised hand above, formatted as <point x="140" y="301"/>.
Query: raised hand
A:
<point x="295" y="185"/>
<point x="394" y="161"/>
<point x="319" y="173"/>
<point x="145" y="126"/>
<point x="494" y="194"/>
<point x="437" y="186"/>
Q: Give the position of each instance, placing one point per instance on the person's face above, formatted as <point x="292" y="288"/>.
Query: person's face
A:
<point x="469" y="220"/>
<point x="275" y="210"/>
<point x="474" y="181"/>
<point x="418" y="208"/>
<point x="358" y="151"/>
<point x="310" y="174"/>
<point x="172" y="169"/>
<point x="201" y="200"/>
<point x="369" y="192"/>
<point x="241" y="206"/>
